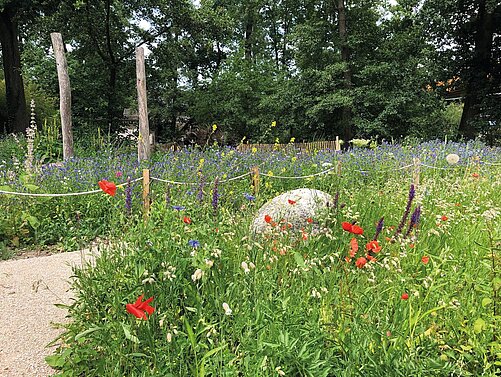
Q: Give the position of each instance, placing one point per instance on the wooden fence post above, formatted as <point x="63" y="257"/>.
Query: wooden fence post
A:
<point x="143" y="140"/>
<point x="146" y="193"/>
<point x="416" y="171"/>
<point x="64" y="94"/>
<point x="338" y="144"/>
<point x="255" y="180"/>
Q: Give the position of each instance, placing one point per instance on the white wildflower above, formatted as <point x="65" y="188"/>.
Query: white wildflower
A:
<point x="245" y="267"/>
<point x="490" y="214"/>
<point x="227" y="310"/>
<point x="169" y="337"/>
<point x="209" y="263"/>
<point x="197" y="275"/>
<point x="279" y="371"/>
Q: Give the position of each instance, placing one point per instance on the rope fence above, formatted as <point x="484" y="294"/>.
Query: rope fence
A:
<point x="254" y="175"/>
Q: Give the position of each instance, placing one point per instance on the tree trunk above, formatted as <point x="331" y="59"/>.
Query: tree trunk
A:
<point x="64" y="94"/>
<point x="481" y="68"/>
<point x="346" y="114"/>
<point x="249" y="27"/>
<point x="16" y="102"/>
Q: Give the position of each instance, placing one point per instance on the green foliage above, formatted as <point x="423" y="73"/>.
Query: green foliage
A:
<point x="296" y="306"/>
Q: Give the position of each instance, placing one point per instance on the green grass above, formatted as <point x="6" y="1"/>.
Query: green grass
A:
<point x="302" y="310"/>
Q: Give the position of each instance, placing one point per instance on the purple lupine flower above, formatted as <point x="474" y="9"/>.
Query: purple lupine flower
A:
<point x="215" y="195"/>
<point x="128" y="198"/>
<point x="178" y="208"/>
<point x="412" y="193"/>
<point x="379" y="228"/>
<point x="414" y="220"/>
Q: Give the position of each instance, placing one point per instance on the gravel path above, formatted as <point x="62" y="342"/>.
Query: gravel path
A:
<point x="29" y="288"/>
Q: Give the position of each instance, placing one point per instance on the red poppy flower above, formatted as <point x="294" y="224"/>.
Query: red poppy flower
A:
<point x="309" y="220"/>
<point x="370" y="258"/>
<point x="475" y="175"/>
<point x="373" y="246"/>
<point x="267" y="218"/>
<point x="444" y="218"/>
<point x="353" y="247"/>
<point x="405" y="296"/>
<point x="186" y="220"/>
<point x="305" y="236"/>
<point x="108" y="187"/>
<point x="355" y="229"/>
<point x="425" y="259"/>
<point x="139" y="308"/>
<point x="360" y="263"/>
<point x="291" y="202"/>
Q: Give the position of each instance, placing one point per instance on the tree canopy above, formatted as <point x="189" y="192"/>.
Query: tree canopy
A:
<point x="318" y="69"/>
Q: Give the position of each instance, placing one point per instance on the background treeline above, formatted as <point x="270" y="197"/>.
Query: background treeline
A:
<point x="353" y="68"/>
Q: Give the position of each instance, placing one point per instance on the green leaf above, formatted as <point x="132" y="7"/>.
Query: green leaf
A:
<point x="6" y="188"/>
<point x="33" y="221"/>
<point x="479" y="325"/>
<point x="486" y="301"/>
<point x="128" y="334"/>
<point x="86" y="332"/>
<point x="496" y="282"/>
<point x="31" y="187"/>
<point x="299" y="260"/>
<point x="55" y="361"/>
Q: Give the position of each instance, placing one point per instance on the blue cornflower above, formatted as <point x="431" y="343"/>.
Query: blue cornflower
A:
<point x="194" y="243"/>
<point x="249" y="197"/>
<point x="178" y="208"/>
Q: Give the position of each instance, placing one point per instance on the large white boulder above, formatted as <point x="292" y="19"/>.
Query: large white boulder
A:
<point x="292" y="207"/>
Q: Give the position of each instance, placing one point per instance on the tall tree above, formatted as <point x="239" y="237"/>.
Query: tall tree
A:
<point x="346" y="117"/>
<point x="466" y="35"/>
<point x="481" y="71"/>
<point x="14" y="87"/>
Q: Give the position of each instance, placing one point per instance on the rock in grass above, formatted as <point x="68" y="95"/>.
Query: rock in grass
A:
<point x="292" y="207"/>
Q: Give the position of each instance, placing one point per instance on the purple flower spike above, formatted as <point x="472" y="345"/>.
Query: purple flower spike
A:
<point x="412" y="194"/>
<point x="379" y="228"/>
<point x="414" y="220"/>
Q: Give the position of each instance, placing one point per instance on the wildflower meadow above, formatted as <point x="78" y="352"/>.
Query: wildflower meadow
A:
<point x="399" y="276"/>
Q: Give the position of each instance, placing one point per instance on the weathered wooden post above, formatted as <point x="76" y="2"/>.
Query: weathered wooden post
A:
<point x="416" y="171"/>
<point x="143" y="140"/>
<point x="255" y="180"/>
<point x="64" y="94"/>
